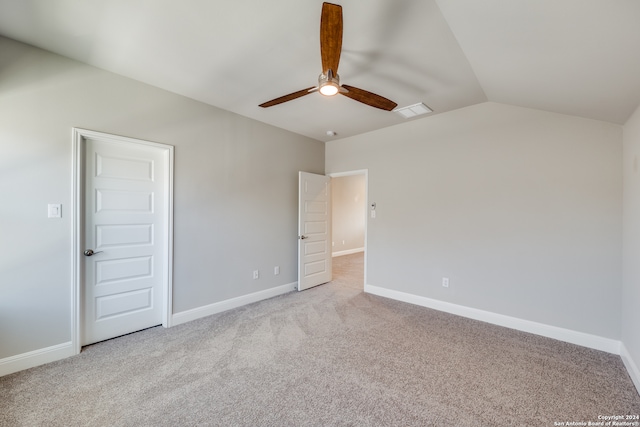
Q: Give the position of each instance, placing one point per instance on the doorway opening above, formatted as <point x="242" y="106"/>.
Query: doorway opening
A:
<point x="349" y="200"/>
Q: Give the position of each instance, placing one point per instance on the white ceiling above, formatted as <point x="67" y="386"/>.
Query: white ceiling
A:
<point x="578" y="57"/>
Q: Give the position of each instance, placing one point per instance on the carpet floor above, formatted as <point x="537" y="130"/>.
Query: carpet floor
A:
<point x="328" y="356"/>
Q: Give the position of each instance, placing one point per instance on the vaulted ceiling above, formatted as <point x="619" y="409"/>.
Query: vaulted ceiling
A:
<point x="577" y="57"/>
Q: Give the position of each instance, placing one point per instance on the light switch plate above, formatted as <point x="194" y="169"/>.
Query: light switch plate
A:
<point x="54" y="210"/>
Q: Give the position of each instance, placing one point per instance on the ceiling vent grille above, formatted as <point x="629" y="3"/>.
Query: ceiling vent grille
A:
<point x="413" y="110"/>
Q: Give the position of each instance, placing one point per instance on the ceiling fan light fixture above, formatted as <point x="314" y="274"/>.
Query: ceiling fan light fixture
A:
<point x="328" y="84"/>
<point x="328" y="89"/>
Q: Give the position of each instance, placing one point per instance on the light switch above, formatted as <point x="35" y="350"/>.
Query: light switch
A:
<point x="55" y="210"/>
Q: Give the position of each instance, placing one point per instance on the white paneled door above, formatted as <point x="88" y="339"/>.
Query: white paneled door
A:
<point x="314" y="230"/>
<point x="125" y="237"/>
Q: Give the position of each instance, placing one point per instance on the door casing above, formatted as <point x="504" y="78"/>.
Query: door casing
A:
<point x="77" y="211"/>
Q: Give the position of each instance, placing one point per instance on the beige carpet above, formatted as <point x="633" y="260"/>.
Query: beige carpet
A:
<point x="328" y="356"/>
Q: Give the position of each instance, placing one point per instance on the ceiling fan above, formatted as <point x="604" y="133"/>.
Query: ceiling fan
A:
<point x="329" y="80"/>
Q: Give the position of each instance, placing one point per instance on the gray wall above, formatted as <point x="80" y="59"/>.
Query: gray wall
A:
<point x="348" y="200"/>
<point x="631" y="271"/>
<point x="235" y="189"/>
<point x="521" y="209"/>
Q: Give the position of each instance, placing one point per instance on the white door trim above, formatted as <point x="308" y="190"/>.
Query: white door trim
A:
<point x="77" y="218"/>
<point x="364" y="172"/>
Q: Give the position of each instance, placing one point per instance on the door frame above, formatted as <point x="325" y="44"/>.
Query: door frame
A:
<point x="364" y="172"/>
<point x="79" y="137"/>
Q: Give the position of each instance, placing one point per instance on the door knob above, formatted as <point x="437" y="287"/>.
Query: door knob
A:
<point x="303" y="237"/>
<point x="90" y="252"/>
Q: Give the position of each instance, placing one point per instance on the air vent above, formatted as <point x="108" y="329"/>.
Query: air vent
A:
<point x="413" y="110"/>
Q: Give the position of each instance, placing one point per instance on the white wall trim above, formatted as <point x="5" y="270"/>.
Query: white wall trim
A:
<point x="632" y="368"/>
<point x="76" y="233"/>
<point x="219" y="307"/>
<point x="349" y="173"/>
<point x="19" y="362"/>
<point x="41" y="356"/>
<point x="567" y="335"/>
<point x="347" y="252"/>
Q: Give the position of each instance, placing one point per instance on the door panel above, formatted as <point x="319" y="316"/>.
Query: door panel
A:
<point x="126" y="226"/>
<point x="120" y="270"/>
<point x="127" y="302"/>
<point x="314" y="230"/>
<point x="124" y="235"/>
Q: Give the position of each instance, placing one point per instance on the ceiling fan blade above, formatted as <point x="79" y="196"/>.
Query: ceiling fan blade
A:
<point x="286" y="98"/>
<point x="369" y="98"/>
<point x="330" y="37"/>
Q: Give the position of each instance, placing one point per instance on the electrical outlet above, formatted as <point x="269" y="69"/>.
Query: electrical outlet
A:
<point x="276" y="270"/>
<point x="445" y="282"/>
<point x="256" y="274"/>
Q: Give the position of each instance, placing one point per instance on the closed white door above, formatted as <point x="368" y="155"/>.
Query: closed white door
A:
<point x="314" y="230"/>
<point x="125" y="238"/>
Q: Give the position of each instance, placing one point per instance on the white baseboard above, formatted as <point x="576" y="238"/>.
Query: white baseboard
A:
<point x="219" y="307"/>
<point x="574" y="337"/>
<point x="34" y="358"/>
<point x="12" y="364"/>
<point x="632" y="368"/>
<point x="347" y="252"/>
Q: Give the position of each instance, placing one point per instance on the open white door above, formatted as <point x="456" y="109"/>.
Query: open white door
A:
<point x="314" y="230"/>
